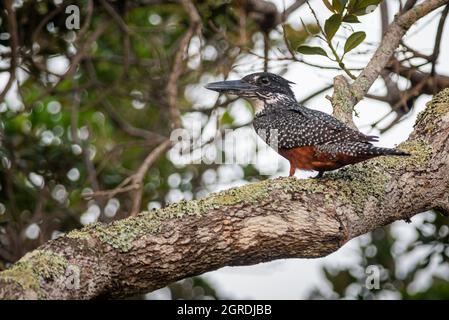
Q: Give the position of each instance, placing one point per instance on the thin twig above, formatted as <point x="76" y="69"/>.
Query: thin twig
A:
<point x="172" y="84"/>
<point x="91" y="173"/>
<point x="316" y="93"/>
<point x="118" y="19"/>
<point x="140" y="174"/>
<point x="295" y="5"/>
<point x="266" y="51"/>
<point x="436" y="49"/>
<point x="408" y="5"/>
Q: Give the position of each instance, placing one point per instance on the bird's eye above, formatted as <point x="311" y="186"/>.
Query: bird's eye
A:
<point x="264" y="80"/>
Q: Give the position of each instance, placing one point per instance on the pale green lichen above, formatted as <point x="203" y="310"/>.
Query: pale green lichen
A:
<point x="352" y="185"/>
<point x="84" y="233"/>
<point x="122" y="234"/>
<point x="357" y="184"/>
<point x="420" y="153"/>
<point x="436" y="108"/>
<point x="441" y="97"/>
<point x="35" y="266"/>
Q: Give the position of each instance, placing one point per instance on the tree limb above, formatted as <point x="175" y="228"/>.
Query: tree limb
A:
<point x="172" y="85"/>
<point x="258" y="222"/>
<point x="435" y="83"/>
<point x="384" y="52"/>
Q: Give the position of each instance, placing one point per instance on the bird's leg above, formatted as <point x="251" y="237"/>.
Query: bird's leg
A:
<point x="319" y="175"/>
<point x="292" y="170"/>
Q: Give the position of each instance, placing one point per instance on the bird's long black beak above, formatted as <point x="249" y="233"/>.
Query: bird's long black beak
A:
<point x="237" y="87"/>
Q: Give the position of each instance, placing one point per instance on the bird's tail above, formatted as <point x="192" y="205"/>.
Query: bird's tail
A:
<point x="387" y="151"/>
<point x="360" y="150"/>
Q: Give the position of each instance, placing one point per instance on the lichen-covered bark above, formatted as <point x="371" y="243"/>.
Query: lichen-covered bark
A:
<point x="258" y="222"/>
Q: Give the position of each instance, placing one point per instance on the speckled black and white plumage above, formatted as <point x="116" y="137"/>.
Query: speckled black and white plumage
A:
<point x="296" y="127"/>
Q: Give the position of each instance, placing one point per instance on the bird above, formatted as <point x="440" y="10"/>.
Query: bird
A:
<point x="309" y="139"/>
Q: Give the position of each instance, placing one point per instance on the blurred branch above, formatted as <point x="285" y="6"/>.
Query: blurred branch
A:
<point x="265" y="13"/>
<point x="266" y="51"/>
<point x="75" y="60"/>
<point x="138" y="177"/>
<point x="437" y="82"/>
<point x="436" y="49"/>
<point x="316" y="93"/>
<point x="127" y="127"/>
<point x="91" y="172"/>
<point x="87" y="19"/>
<point x="172" y="85"/>
<point x="293" y="7"/>
<point x="408" y="5"/>
<point x="116" y="118"/>
<point x="14" y="47"/>
<point x="114" y="15"/>
<point x="384" y="17"/>
<point x="258" y="222"/>
<point x="346" y="100"/>
<point x="82" y="51"/>
<point x="135" y="181"/>
<point x="47" y="19"/>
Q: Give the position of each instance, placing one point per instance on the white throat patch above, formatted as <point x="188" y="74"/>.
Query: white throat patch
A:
<point x="258" y="105"/>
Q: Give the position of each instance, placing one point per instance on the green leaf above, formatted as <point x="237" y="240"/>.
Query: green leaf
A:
<point x="312" y="50"/>
<point x="298" y="37"/>
<point x="354" y="40"/>
<point x="362" y="7"/>
<point x="351" y="18"/>
<point x="339" y="5"/>
<point x="352" y="6"/>
<point x="331" y="26"/>
<point x="311" y="29"/>
<point x="226" y="119"/>
<point x="328" y="5"/>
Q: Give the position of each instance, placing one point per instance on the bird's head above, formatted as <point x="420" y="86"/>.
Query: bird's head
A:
<point x="260" y="88"/>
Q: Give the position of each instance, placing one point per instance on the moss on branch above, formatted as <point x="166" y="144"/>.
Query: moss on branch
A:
<point x="34" y="267"/>
<point x="121" y="234"/>
<point x="352" y="186"/>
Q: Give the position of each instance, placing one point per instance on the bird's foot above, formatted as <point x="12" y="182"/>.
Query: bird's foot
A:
<point x="319" y="175"/>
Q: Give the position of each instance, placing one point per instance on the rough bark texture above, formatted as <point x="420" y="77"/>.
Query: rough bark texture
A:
<point x="281" y="218"/>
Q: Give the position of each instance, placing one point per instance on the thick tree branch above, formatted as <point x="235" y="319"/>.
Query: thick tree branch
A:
<point x="258" y="222"/>
<point x="390" y="41"/>
<point x="341" y="109"/>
